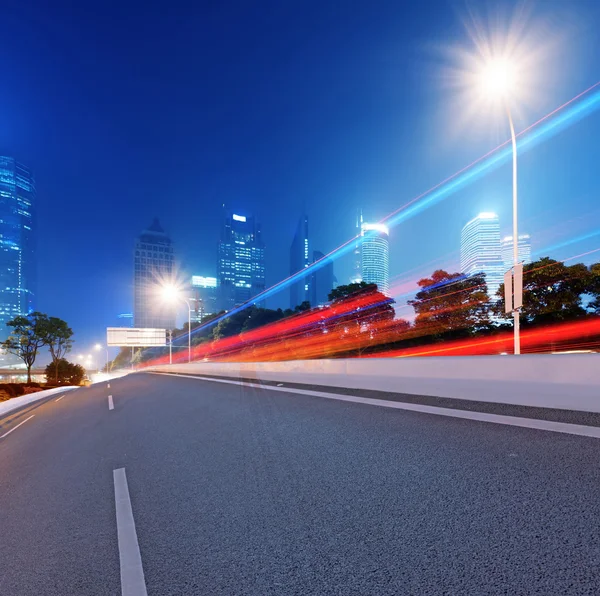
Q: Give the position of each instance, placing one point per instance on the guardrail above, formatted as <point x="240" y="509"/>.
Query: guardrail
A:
<point x="566" y="381"/>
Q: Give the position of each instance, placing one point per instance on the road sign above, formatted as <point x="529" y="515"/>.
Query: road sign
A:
<point x="135" y="338"/>
<point x="518" y="300"/>
<point x="508" y="290"/>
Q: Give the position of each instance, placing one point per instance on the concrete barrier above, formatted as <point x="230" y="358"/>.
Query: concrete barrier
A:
<point x="568" y="381"/>
<point x="23" y="400"/>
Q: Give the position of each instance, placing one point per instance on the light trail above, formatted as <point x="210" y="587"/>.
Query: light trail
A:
<point x="575" y="109"/>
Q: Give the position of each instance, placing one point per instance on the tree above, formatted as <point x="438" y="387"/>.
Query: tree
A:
<point x="28" y="335"/>
<point x="552" y="292"/>
<point x="451" y="304"/>
<point x="594" y="288"/>
<point x="64" y="371"/>
<point x="365" y="322"/>
<point x="58" y="339"/>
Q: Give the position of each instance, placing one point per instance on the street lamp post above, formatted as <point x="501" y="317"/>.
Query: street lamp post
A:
<point x="171" y="293"/>
<point x="516" y="311"/>
<point x="498" y="81"/>
<point x="99" y="347"/>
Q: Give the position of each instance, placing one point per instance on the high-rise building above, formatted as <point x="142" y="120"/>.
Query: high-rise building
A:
<point x="300" y="290"/>
<point x="524" y="250"/>
<point x="374" y="256"/>
<point x="321" y="281"/>
<point x="356" y="276"/>
<point x="480" y="250"/>
<point x="241" y="261"/>
<point x="204" y="297"/>
<point x="153" y="268"/>
<point x="17" y="241"/>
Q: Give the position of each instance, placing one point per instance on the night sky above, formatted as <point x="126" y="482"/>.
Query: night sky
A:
<point x="130" y="110"/>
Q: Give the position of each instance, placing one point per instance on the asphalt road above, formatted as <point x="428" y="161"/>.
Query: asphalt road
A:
<point x="237" y="490"/>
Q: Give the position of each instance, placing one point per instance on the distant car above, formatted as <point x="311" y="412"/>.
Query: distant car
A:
<point x="86" y="383"/>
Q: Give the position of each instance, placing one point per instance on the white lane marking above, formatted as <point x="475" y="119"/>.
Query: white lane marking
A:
<point x="111" y="405"/>
<point x="535" y="423"/>
<point x="132" y="572"/>
<point x="109" y="385"/>
<point x="59" y="398"/>
<point x="15" y="427"/>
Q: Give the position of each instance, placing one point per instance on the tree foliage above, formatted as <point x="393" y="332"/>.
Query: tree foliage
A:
<point x="58" y="338"/>
<point x="451" y="304"/>
<point x="552" y="292"/>
<point x="64" y="372"/>
<point x="28" y="334"/>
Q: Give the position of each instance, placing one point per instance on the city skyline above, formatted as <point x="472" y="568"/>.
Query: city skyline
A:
<point x="365" y="152"/>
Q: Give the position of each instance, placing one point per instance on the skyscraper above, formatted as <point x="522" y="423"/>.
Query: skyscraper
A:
<point x="241" y="261"/>
<point x="480" y="250"/>
<point x="153" y="267"/>
<point x="374" y="255"/>
<point x="204" y="297"/>
<point x="299" y="290"/>
<point x="524" y="250"/>
<point x="17" y="241"/>
<point x="321" y="281"/>
<point x="356" y="276"/>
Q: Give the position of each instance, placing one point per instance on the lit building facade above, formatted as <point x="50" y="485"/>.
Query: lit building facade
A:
<point x="375" y="256"/>
<point x="480" y="250"/>
<point x="153" y="268"/>
<point x="17" y="241"/>
<point x="321" y="281"/>
<point x="241" y="261"/>
<point x="204" y="297"/>
<point x="524" y="250"/>
<point x="300" y="290"/>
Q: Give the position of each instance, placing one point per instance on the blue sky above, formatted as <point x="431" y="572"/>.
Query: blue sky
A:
<point x="138" y="109"/>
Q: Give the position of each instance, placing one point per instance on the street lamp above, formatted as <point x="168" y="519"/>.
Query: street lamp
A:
<point x="498" y="82"/>
<point x="171" y="294"/>
<point x="99" y="347"/>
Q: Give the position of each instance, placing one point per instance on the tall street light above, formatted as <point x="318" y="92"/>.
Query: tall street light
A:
<point x="171" y="294"/>
<point x="99" y="347"/>
<point x="498" y="81"/>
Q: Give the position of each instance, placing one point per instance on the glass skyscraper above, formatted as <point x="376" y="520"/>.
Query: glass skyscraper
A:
<point x="524" y="250"/>
<point x="204" y="297"/>
<point x="480" y="250"/>
<point x="321" y="281"/>
<point x="153" y="268"/>
<point x="17" y="241"/>
<point x="300" y="290"/>
<point x="374" y="256"/>
<point x="241" y="261"/>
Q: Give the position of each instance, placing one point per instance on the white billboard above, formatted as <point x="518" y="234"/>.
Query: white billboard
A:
<point x="135" y="338"/>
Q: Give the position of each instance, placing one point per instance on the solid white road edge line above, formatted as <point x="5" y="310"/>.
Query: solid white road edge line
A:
<point x="59" y="398"/>
<point x="132" y="572"/>
<point x="111" y="405"/>
<point x="15" y="427"/>
<point x="535" y="423"/>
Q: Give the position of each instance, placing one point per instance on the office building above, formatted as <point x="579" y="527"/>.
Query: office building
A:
<point x="374" y="255"/>
<point x="204" y="297"/>
<point x="524" y="250"/>
<point x="241" y="261"/>
<point x="480" y="250"/>
<point x="17" y="242"/>
<point x="321" y="281"/>
<point x="153" y="269"/>
<point x="300" y="290"/>
<point x="356" y="276"/>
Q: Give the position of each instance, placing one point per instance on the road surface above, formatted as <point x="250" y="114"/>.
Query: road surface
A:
<point x="189" y="486"/>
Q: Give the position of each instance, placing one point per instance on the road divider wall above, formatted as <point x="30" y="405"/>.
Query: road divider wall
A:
<point x="567" y="381"/>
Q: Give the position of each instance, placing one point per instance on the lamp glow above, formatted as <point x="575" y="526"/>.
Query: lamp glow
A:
<point x="498" y="78"/>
